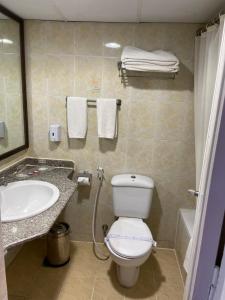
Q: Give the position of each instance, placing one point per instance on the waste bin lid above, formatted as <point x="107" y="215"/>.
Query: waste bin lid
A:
<point x="59" y="229"/>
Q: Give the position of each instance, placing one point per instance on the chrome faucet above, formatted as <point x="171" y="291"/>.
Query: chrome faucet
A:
<point x="3" y="181"/>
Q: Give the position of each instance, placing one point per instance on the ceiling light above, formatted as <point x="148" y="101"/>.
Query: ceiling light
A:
<point x="113" y="45"/>
<point x="6" y="41"/>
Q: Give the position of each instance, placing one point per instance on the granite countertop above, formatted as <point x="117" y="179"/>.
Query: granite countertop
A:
<point x="17" y="232"/>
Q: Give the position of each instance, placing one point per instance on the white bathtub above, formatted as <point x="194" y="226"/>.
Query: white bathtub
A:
<point x="185" y="224"/>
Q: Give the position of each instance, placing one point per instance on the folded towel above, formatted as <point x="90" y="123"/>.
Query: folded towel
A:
<point x="140" y="60"/>
<point x="77" y="117"/>
<point x="107" y="118"/>
<point x="136" y="54"/>
<point x="143" y="68"/>
<point x="150" y="63"/>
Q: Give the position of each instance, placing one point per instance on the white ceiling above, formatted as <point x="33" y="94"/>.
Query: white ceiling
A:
<point x="116" y="10"/>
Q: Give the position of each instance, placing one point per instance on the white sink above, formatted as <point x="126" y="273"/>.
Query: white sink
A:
<point x="24" y="199"/>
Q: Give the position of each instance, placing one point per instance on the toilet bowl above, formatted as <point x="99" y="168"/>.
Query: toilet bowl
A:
<point x="129" y="239"/>
<point x="129" y="242"/>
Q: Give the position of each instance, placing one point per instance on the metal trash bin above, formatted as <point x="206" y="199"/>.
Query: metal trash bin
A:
<point x="58" y="245"/>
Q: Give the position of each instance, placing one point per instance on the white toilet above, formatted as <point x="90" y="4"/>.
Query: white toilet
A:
<point x="129" y="239"/>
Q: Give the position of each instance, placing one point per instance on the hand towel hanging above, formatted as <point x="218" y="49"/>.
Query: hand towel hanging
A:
<point x="77" y="117"/>
<point x="107" y="118"/>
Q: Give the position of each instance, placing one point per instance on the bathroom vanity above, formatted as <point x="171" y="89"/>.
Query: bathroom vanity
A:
<point x="58" y="173"/>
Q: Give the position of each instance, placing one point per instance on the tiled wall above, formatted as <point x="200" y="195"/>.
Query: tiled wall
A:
<point x="156" y="134"/>
<point x="10" y="86"/>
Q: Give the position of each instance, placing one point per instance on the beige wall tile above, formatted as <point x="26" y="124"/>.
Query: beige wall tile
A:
<point x="166" y="157"/>
<point x="112" y="154"/>
<point x="112" y="88"/>
<point x="155" y="120"/>
<point x="57" y="42"/>
<point x="37" y="78"/>
<point x="169" y="121"/>
<point x="89" y="39"/>
<point x="139" y="156"/>
<point x="151" y="31"/>
<point x="60" y="74"/>
<point x="88" y="76"/>
<point x="141" y="123"/>
<point x="39" y="129"/>
<point x="3" y="106"/>
<point x="120" y="33"/>
<point x="35" y="36"/>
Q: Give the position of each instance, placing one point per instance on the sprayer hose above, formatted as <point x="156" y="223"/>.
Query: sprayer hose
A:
<point x="102" y="256"/>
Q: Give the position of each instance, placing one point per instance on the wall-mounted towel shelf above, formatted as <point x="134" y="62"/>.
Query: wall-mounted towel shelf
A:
<point x="124" y="74"/>
<point x="93" y="101"/>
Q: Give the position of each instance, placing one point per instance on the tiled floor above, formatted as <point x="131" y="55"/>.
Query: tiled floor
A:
<point x="85" y="277"/>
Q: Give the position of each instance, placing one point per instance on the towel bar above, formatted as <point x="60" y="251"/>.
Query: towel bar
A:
<point x="118" y="101"/>
<point x="124" y="75"/>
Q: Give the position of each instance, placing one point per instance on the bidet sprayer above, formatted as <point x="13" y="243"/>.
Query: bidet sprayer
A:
<point x="100" y="173"/>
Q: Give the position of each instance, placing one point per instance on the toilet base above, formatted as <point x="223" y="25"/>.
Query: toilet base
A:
<point x="127" y="276"/>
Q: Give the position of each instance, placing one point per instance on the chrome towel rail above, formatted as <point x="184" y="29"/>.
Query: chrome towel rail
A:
<point x="93" y="101"/>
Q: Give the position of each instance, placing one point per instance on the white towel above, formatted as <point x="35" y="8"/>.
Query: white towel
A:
<point x="77" y="117"/>
<point x="150" y="68"/>
<point x="157" y="56"/>
<point x="140" y="60"/>
<point x="107" y="118"/>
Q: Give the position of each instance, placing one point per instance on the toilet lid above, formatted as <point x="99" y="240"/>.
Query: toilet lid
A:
<point x="130" y="237"/>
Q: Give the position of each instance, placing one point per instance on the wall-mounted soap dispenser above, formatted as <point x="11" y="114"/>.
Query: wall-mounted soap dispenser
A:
<point x="55" y="133"/>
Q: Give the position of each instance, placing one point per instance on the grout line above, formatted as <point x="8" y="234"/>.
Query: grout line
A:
<point x="47" y="96"/>
<point x="93" y="289"/>
<point x="139" y="10"/>
<point x="177" y="227"/>
<point x="71" y="55"/>
<point x="175" y="253"/>
<point x="164" y="248"/>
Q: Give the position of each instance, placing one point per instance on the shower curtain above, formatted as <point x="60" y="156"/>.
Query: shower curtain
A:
<point x="206" y="62"/>
<point x="206" y="94"/>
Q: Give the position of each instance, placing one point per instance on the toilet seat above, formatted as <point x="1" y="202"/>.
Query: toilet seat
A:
<point x="130" y="237"/>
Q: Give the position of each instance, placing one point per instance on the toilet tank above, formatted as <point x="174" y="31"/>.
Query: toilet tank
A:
<point x="132" y="195"/>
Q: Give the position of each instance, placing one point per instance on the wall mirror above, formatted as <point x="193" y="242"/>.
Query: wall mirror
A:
<point x="13" y="104"/>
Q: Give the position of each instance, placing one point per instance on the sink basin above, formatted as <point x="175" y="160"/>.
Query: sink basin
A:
<point x="24" y="199"/>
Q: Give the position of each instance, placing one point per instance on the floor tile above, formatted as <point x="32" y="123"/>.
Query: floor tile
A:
<point x="78" y="287"/>
<point x="15" y="297"/>
<point x="167" y="275"/>
<point x="107" y="289"/>
<point x="87" y="278"/>
<point x="145" y="288"/>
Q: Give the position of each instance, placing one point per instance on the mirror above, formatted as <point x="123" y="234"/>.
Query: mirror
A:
<point x="13" y="105"/>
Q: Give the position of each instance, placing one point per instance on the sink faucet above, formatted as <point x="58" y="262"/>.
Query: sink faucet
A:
<point x="3" y="181"/>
